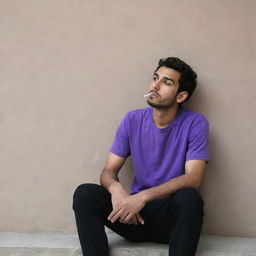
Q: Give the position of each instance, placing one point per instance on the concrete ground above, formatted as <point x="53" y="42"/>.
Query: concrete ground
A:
<point x="67" y="244"/>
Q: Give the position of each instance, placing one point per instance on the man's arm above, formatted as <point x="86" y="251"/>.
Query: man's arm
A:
<point x="109" y="175"/>
<point x="109" y="180"/>
<point x="194" y="170"/>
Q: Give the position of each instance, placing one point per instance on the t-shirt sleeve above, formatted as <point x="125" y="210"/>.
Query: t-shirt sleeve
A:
<point x="198" y="148"/>
<point x="121" y="144"/>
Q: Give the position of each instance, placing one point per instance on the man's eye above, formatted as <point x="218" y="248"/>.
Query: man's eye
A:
<point x="168" y="83"/>
<point x="154" y="78"/>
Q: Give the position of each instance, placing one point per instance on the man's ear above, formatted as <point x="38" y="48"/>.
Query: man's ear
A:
<point x="181" y="97"/>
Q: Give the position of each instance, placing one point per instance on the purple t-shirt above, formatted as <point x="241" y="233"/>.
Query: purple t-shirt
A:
<point x="159" y="154"/>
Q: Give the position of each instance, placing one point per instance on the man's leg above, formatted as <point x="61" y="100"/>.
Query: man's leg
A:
<point x="92" y="205"/>
<point x="176" y="219"/>
<point x="187" y="209"/>
<point x="179" y="219"/>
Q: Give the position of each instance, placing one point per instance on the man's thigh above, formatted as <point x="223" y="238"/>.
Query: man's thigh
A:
<point x="156" y="227"/>
<point x="161" y="215"/>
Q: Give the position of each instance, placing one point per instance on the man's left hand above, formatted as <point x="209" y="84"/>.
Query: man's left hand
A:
<point x="127" y="209"/>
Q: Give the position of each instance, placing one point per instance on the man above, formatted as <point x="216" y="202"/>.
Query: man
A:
<point x="169" y="148"/>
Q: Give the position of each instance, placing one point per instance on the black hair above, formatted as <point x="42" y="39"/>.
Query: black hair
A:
<point x="188" y="77"/>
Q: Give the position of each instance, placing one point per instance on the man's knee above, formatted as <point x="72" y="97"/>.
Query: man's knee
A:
<point x="83" y="194"/>
<point x="189" y="200"/>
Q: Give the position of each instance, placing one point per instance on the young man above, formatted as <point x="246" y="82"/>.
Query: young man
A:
<point x="169" y="148"/>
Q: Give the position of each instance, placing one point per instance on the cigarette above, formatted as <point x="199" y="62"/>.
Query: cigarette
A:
<point x="147" y="95"/>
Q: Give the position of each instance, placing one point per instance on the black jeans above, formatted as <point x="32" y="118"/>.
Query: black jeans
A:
<point x="176" y="220"/>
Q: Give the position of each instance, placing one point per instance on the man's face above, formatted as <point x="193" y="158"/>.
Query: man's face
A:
<point x="164" y="85"/>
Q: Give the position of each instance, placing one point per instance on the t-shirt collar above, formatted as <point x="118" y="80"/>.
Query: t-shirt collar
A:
<point x="172" y="124"/>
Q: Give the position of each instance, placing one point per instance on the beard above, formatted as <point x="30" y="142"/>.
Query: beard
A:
<point x="164" y="105"/>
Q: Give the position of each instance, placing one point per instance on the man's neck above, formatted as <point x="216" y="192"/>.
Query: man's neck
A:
<point x="163" y="117"/>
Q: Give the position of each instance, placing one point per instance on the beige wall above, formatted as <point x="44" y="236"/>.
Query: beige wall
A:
<point x="71" y="69"/>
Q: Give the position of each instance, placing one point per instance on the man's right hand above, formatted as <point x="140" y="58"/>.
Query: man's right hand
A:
<point x="118" y="193"/>
<point x="109" y="180"/>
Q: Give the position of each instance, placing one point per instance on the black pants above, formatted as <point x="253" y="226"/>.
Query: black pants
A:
<point x="176" y="220"/>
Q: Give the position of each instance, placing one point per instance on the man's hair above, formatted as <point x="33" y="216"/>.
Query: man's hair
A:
<point x="188" y="76"/>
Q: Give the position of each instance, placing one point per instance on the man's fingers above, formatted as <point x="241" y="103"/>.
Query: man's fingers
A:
<point x="128" y="218"/>
<point x="115" y="215"/>
<point x="139" y="218"/>
<point x="125" y="217"/>
<point x="112" y="214"/>
<point x="134" y="220"/>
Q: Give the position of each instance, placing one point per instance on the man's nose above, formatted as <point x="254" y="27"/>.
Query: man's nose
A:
<point x="156" y="85"/>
